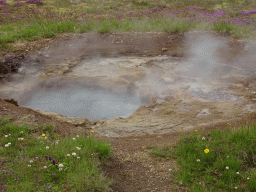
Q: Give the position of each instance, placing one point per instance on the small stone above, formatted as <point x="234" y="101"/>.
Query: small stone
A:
<point x="47" y="56"/>
<point x="164" y="49"/>
<point x="252" y="85"/>
<point x="204" y="112"/>
<point x="4" y="109"/>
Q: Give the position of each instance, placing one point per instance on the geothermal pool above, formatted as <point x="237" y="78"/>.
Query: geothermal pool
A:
<point x="132" y="90"/>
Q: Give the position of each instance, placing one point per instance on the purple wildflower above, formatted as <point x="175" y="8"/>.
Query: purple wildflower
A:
<point x="246" y="20"/>
<point x="53" y="162"/>
<point x="50" y="158"/>
<point x="3" y="3"/>
<point x="35" y="1"/>
<point x="218" y="13"/>
<point x="244" y="13"/>
<point x="190" y="8"/>
<point x="253" y="11"/>
<point x="19" y="4"/>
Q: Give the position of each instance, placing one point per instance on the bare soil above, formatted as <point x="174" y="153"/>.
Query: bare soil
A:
<point x="132" y="167"/>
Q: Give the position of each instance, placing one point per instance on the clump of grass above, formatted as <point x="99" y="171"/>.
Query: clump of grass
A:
<point x="215" y="161"/>
<point x="223" y="27"/>
<point x="39" y="160"/>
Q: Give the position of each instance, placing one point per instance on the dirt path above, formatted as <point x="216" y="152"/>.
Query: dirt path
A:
<point x="132" y="167"/>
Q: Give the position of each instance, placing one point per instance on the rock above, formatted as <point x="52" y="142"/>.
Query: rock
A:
<point x="3" y="109"/>
<point x="12" y="101"/>
<point x="76" y="121"/>
<point x="252" y="85"/>
<point x="249" y="108"/>
<point x="168" y="79"/>
<point x="203" y="112"/>
<point x="164" y="49"/>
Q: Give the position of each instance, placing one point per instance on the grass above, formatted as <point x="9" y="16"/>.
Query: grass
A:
<point x="215" y="161"/>
<point x="36" y="159"/>
<point x="36" y="19"/>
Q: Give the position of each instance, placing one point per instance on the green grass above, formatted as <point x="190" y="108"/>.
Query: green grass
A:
<point x="27" y="154"/>
<point x="56" y="17"/>
<point x="215" y="161"/>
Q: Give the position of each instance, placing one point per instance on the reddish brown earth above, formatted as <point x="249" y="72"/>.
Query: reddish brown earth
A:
<point x="132" y="167"/>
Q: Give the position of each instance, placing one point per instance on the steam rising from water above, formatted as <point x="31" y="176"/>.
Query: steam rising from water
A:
<point x="203" y="61"/>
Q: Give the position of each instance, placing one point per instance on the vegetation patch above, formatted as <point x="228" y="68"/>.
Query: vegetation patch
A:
<point x="36" y="159"/>
<point x="215" y="161"/>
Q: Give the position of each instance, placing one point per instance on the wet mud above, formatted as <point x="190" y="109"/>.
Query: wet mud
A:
<point x="183" y="81"/>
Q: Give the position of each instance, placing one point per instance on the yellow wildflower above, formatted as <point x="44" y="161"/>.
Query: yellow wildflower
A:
<point x="43" y="135"/>
<point x="206" y="150"/>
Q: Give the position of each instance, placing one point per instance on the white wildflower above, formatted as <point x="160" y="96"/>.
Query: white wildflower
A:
<point x="74" y="154"/>
<point x="47" y="147"/>
<point x="198" y="160"/>
<point x="29" y="165"/>
<point x="68" y="154"/>
<point x="6" y="145"/>
<point x="6" y="135"/>
<point x="60" y="165"/>
<point x="227" y="167"/>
